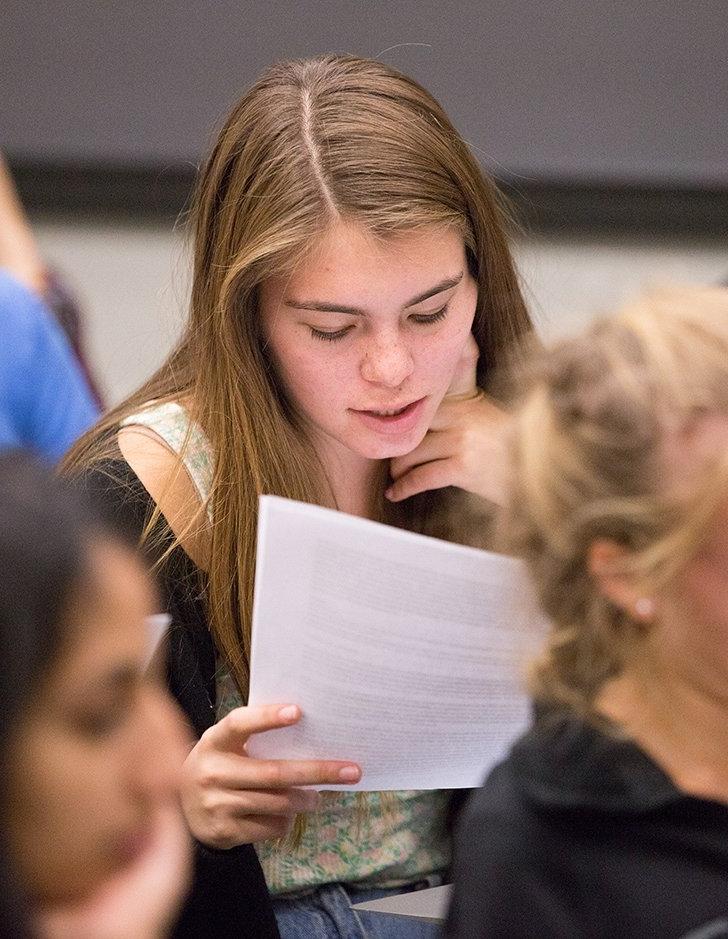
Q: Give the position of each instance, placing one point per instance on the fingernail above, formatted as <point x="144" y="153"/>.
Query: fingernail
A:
<point x="350" y="774"/>
<point x="289" y="713"/>
<point x="388" y="493"/>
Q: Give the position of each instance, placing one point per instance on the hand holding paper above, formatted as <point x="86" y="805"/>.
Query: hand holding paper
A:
<point x="229" y="798"/>
<point x="404" y="653"/>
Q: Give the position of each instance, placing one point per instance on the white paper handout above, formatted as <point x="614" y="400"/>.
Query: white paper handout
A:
<point x="405" y="654"/>
<point x="157" y="625"/>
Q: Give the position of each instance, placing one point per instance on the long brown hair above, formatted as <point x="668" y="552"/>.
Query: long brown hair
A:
<point x="312" y="141"/>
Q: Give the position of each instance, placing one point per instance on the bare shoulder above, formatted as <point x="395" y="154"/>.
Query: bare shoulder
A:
<point x="167" y="481"/>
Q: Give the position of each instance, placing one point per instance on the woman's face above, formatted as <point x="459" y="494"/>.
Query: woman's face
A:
<point x="100" y="746"/>
<point x="366" y="335"/>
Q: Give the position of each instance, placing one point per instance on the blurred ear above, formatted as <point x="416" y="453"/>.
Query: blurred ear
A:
<point x="606" y="562"/>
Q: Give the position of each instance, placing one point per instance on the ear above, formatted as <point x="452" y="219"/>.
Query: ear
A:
<point x="606" y="562"/>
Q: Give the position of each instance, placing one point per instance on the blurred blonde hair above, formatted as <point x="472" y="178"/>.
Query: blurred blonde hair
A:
<point x="313" y="141"/>
<point x="595" y="434"/>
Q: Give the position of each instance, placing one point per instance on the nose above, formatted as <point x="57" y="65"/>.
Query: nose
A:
<point x="164" y="741"/>
<point x="387" y="361"/>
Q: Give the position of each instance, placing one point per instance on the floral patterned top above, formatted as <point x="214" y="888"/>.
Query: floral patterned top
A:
<point x="368" y="839"/>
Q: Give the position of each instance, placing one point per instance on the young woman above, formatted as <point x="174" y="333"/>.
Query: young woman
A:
<point x="352" y="293"/>
<point x="91" y="745"/>
<point x="610" y="817"/>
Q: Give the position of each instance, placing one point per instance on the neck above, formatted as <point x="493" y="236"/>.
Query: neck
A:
<point x="356" y="482"/>
<point x="677" y="719"/>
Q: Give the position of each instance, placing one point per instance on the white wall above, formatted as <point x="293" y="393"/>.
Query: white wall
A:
<point x="569" y="280"/>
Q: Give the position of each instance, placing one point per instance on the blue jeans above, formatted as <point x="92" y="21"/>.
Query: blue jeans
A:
<point x="326" y="913"/>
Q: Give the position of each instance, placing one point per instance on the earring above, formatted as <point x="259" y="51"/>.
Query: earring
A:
<point x="644" y="608"/>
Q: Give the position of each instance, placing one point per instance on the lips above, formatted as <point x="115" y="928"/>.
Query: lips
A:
<point x="132" y="844"/>
<point x="391" y="412"/>
<point x="393" y="420"/>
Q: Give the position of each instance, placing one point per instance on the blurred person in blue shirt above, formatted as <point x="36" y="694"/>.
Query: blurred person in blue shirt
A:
<point x="45" y="400"/>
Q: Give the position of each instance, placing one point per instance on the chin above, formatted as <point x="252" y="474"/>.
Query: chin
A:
<point x="388" y="449"/>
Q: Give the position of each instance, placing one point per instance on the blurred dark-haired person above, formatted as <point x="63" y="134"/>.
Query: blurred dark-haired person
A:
<point x="93" y="842"/>
<point x="609" y="818"/>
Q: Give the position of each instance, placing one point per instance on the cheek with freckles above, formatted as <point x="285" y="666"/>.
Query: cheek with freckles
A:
<point x="314" y="385"/>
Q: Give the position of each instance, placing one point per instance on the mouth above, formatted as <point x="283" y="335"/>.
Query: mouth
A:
<point x="132" y="844"/>
<point x="392" y="420"/>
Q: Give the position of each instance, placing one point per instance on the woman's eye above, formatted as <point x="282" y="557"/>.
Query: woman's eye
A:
<point x="420" y="318"/>
<point x="98" y="724"/>
<point x="426" y="318"/>
<point x="329" y="336"/>
<point x="102" y="718"/>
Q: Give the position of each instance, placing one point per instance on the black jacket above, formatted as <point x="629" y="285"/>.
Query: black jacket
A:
<point x="580" y="835"/>
<point x="229" y="897"/>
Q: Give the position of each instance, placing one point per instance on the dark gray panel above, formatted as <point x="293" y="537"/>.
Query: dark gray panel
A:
<point x="571" y="90"/>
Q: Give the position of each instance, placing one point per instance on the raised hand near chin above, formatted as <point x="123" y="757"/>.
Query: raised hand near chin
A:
<point x="465" y="445"/>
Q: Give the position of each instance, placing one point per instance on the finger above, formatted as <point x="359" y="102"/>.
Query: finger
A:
<point x="228" y="803"/>
<point x="224" y="770"/>
<point x="464" y="380"/>
<point x="232" y="831"/>
<point x="474" y="410"/>
<point x="446" y="414"/>
<point x="232" y="732"/>
<point x="270" y="802"/>
<point x="266" y="827"/>
<point x="435" y="475"/>
<point x="283" y="774"/>
<point x="434" y="446"/>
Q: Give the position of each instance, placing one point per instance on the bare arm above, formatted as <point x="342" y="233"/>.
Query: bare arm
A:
<point x="166" y="480"/>
<point x="228" y="798"/>
<point x="19" y="252"/>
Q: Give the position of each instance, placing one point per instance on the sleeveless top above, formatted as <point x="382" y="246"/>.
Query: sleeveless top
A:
<point x="362" y="839"/>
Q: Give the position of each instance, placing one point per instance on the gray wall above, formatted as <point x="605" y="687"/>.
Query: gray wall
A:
<point x="575" y="91"/>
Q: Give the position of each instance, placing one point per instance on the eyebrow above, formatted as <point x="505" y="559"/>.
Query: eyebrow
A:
<point x="322" y="307"/>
